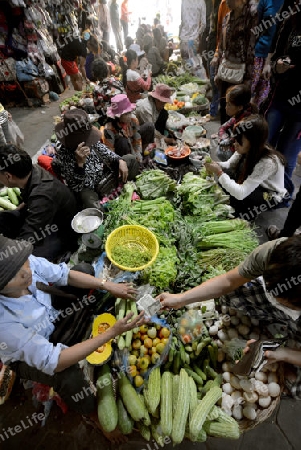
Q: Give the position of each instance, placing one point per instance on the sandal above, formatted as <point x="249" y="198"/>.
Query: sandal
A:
<point x="272" y="232"/>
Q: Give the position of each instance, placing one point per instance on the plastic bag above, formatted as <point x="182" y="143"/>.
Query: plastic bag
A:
<point x="121" y="357"/>
<point x="104" y="269"/>
<point x="16" y="134"/>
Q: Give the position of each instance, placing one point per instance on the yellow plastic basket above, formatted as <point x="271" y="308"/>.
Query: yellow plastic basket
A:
<point x="132" y="236"/>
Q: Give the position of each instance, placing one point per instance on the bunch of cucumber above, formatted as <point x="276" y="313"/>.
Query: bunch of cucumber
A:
<point x="9" y="198"/>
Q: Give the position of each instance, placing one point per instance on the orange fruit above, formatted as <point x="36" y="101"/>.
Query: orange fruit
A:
<point x="133" y="371"/>
<point x="164" y="333"/>
<point x="148" y="343"/>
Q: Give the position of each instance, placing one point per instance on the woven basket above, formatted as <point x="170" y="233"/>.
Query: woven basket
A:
<point x="132" y="236"/>
<point x="263" y="414"/>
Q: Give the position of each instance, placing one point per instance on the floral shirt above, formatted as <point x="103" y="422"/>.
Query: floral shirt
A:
<point x="89" y="176"/>
<point x="103" y="93"/>
<point x="130" y="131"/>
<point x="239" y="45"/>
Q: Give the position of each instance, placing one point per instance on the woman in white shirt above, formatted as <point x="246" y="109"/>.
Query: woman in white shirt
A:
<point x="255" y="179"/>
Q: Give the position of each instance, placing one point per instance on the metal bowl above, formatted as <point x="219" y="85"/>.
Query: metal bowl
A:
<point x="87" y="220"/>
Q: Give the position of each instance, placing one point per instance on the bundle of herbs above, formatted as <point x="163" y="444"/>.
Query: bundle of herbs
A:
<point x="152" y="184"/>
<point x="200" y="196"/>
<point x="189" y="271"/>
<point x="243" y="240"/>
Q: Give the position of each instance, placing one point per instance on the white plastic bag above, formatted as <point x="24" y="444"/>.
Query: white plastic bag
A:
<point x="16" y="134"/>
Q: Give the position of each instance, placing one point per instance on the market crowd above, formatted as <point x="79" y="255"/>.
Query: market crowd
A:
<point x="250" y="52"/>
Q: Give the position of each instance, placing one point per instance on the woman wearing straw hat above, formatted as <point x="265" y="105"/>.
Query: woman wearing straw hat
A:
<point x="90" y="169"/>
<point x="122" y="133"/>
<point x="151" y="109"/>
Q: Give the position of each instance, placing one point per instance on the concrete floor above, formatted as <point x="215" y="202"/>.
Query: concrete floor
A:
<point x="67" y="431"/>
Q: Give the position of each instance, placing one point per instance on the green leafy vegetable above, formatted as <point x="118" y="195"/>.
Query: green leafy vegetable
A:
<point x="154" y="183"/>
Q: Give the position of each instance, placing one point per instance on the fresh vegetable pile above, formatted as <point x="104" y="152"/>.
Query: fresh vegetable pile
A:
<point x="182" y="365"/>
<point x="178" y="81"/>
<point x="192" y="220"/>
<point x="9" y="198"/>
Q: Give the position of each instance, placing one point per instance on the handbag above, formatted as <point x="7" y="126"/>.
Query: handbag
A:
<point x="36" y="88"/>
<point x="7" y="69"/>
<point x="15" y="132"/>
<point x="26" y="70"/>
<point x="231" y="72"/>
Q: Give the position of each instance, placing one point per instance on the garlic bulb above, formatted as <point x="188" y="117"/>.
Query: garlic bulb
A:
<point x="234" y="381"/>
<point x="222" y="335"/>
<point x="244" y="330"/>
<point x="249" y="413"/>
<point x="227" y="388"/>
<point x="226" y="377"/>
<point x="250" y="397"/>
<point x="224" y="309"/>
<point x="237" y="412"/>
<point x="213" y="330"/>
<point x="226" y="320"/>
<point x="274" y="389"/>
<point x="227" y="367"/>
<point x="232" y="333"/>
<point x="264" y="402"/>
<point x="232" y="311"/>
<point x="227" y="403"/>
<point x="234" y="320"/>
<point x="261" y="376"/>
<point x="246" y="321"/>
<point x="246" y="385"/>
<point x="272" y="377"/>
<point x="261" y="388"/>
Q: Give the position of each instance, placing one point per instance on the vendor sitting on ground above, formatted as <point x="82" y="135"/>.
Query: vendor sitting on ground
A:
<point x="151" y="109"/>
<point x="263" y="287"/>
<point x="134" y="84"/>
<point x="44" y="218"/>
<point x="108" y="86"/>
<point x="256" y="171"/>
<point x="43" y="333"/>
<point x="238" y="107"/>
<point x="89" y="168"/>
<point x="122" y="133"/>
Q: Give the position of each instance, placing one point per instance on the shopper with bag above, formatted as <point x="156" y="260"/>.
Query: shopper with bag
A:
<point x="236" y="49"/>
<point x="284" y="110"/>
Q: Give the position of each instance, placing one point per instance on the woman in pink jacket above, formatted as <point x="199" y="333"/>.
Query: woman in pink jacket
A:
<point x="134" y="84"/>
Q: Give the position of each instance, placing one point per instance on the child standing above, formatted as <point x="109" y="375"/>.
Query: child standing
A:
<point x="238" y="107"/>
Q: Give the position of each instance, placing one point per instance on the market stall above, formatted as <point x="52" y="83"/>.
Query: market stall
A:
<point x="174" y="377"/>
<point x="30" y="65"/>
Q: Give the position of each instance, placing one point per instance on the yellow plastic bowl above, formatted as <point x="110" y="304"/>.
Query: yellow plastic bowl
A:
<point x="132" y="236"/>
